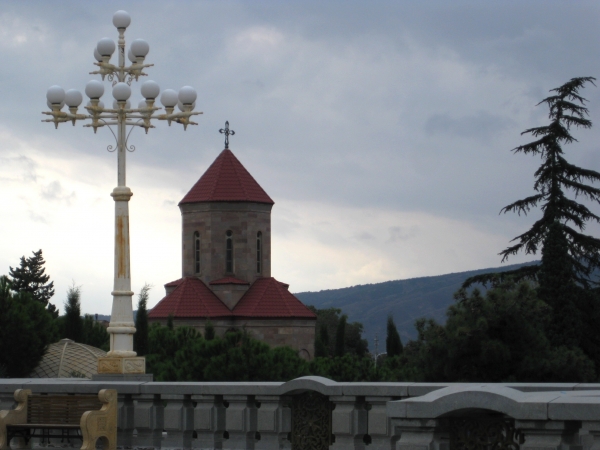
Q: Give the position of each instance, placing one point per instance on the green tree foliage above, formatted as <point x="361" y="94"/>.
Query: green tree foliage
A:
<point x="73" y="324"/>
<point x="94" y="333"/>
<point x="26" y="329"/>
<point x="393" y="344"/>
<point x="31" y="277"/>
<point x="496" y="337"/>
<point x="552" y="179"/>
<point x="182" y="354"/>
<point x="340" y="337"/>
<point x="328" y="320"/>
<point x="140" y="338"/>
<point x="209" y="331"/>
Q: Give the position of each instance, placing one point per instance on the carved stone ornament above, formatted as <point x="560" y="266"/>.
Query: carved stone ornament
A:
<point x="311" y="422"/>
<point x="484" y="433"/>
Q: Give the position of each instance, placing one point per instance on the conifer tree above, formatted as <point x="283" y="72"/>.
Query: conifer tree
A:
<point x="31" y="277"/>
<point x="393" y="344"/>
<point x="322" y="342"/>
<point x="552" y="179"/>
<point x="340" y="336"/>
<point x="140" y="338"/>
<point x="73" y="324"/>
<point x="26" y="329"/>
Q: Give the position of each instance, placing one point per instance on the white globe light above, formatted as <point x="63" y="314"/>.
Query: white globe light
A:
<point x="97" y="55"/>
<point x="187" y="95"/>
<point x="131" y="56"/>
<point x="169" y="98"/>
<point x="55" y="94"/>
<point x="142" y="104"/>
<point x="50" y="104"/>
<point x="100" y="104"/>
<point x="121" y="19"/>
<point x="73" y="98"/>
<point x="140" y="47"/>
<point x="94" y="89"/>
<point x="182" y="108"/>
<point x="116" y="104"/>
<point x="150" y="89"/>
<point x="106" y="46"/>
<point x="121" y="91"/>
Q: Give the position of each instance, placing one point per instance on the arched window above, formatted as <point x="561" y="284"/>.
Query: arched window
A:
<point x="259" y="252"/>
<point x="196" y="252"/>
<point x="228" y="252"/>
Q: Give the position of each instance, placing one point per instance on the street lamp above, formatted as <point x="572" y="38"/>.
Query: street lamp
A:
<point x="121" y="358"/>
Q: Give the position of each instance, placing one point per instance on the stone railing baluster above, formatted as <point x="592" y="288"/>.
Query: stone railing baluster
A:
<point x="348" y="422"/>
<point x="125" y="420"/>
<point x="274" y="422"/>
<point x="149" y="420"/>
<point x="379" y="425"/>
<point x="240" y="422"/>
<point x="549" y="435"/>
<point x="178" y="422"/>
<point x="209" y="421"/>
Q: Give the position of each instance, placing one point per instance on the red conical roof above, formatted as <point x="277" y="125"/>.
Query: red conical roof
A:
<point x="269" y="298"/>
<point x="191" y="298"/>
<point x="226" y="180"/>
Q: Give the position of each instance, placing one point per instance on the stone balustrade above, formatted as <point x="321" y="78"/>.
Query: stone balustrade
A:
<point x="314" y="412"/>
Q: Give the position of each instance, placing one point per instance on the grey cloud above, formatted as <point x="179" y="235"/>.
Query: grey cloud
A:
<point x="400" y="234"/>
<point x="27" y="165"/>
<point x="364" y="236"/>
<point x="481" y="125"/>
<point x="55" y="192"/>
<point x="37" y="217"/>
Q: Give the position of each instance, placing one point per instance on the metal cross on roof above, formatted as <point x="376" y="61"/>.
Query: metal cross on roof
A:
<point x="227" y="132"/>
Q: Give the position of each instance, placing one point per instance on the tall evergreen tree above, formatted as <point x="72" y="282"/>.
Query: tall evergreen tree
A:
<point x="209" y="331"/>
<point x="322" y="342"/>
<point x="26" y="329"/>
<point x="393" y="344"/>
<point x="73" y="324"/>
<point x="552" y="179"/>
<point x="140" y="338"/>
<point x="31" y="277"/>
<point x="340" y="336"/>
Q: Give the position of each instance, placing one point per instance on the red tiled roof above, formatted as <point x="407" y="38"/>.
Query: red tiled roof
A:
<point x="191" y="298"/>
<point x="228" y="280"/>
<point x="226" y="180"/>
<point x="269" y="298"/>
<point x="174" y="283"/>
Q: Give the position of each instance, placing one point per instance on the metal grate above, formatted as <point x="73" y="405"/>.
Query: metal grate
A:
<point x="484" y="433"/>
<point x="60" y="409"/>
<point x="311" y="422"/>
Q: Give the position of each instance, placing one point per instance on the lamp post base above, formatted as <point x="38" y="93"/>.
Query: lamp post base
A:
<point x="121" y="365"/>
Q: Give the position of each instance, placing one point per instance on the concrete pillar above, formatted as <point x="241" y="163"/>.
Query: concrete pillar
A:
<point x="589" y="435"/>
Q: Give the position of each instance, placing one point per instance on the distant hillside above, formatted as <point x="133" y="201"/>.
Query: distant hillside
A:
<point x="406" y="300"/>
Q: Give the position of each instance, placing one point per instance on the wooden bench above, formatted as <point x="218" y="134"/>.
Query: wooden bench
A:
<point x="86" y="417"/>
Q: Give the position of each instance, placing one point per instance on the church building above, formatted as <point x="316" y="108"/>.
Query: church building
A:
<point x="226" y="264"/>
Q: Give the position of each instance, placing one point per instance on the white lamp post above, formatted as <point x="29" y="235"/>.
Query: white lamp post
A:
<point x="121" y="358"/>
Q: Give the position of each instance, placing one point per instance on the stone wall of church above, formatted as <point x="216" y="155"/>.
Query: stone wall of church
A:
<point x="212" y="220"/>
<point x="296" y="333"/>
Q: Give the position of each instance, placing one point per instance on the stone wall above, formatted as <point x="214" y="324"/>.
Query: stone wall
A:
<point x="366" y="416"/>
<point x="296" y="333"/>
<point x="212" y="220"/>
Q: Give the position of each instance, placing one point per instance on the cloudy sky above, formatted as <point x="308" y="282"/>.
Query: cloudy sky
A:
<point x="381" y="129"/>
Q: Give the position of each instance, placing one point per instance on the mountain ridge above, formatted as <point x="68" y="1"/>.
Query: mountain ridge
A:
<point x="407" y="300"/>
